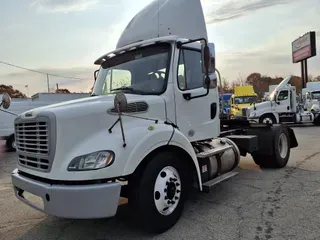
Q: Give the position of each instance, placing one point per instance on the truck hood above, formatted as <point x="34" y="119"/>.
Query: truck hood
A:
<point x="101" y="105"/>
<point x="259" y="108"/>
<point x="82" y="126"/>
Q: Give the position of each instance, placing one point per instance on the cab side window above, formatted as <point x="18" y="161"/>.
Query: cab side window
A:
<point x="283" y="95"/>
<point x="190" y="74"/>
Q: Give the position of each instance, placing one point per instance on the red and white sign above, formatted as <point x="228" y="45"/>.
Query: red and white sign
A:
<point x="301" y="54"/>
<point x="303" y="47"/>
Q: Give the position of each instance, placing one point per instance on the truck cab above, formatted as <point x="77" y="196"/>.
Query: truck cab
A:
<point x="243" y="97"/>
<point x="225" y="105"/>
<point x="311" y="96"/>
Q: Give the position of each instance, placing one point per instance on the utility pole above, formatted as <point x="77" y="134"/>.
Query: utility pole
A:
<point x="48" y="83"/>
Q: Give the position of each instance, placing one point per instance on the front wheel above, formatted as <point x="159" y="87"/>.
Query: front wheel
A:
<point x="158" y="196"/>
<point x="280" y="154"/>
<point x="268" y="119"/>
<point x="11" y="144"/>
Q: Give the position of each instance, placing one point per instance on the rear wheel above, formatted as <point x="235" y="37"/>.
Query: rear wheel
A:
<point x="157" y="196"/>
<point x="316" y="120"/>
<point x="280" y="153"/>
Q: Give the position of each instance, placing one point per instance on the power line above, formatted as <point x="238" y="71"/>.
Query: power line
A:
<point x="50" y="74"/>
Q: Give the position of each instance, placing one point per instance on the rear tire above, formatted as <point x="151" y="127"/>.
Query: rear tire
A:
<point x="157" y="194"/>
<point x="280" y="154"/>
<point x="316" y="119"/>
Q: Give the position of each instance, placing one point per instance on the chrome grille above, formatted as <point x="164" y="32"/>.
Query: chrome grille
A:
<point x="36" y="141"/>
<point x="34" y="162"/>
<point x="32" y="137"/>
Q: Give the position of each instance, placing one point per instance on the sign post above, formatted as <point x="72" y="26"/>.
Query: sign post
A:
<point x="303" y="48"/>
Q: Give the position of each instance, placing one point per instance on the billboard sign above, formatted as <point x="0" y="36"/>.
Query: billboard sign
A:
<point x="304" y="47"/>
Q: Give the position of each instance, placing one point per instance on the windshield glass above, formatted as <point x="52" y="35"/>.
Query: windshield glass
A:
<point x="226" y="103"/>
<point x="315" y="95"/>
<point x="141" y="71"/>
<point x="245" y="99"/>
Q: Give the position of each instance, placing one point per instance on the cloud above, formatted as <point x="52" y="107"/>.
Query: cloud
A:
<point x="63" y="6"/>
<point x="230" y="9"/>
<point x="38" y="82"/>
<point x="266" y="62"/>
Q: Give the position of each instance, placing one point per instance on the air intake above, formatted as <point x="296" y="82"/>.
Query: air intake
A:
<point x="135" y="107"/>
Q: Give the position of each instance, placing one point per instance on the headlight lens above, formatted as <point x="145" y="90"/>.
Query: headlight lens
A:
<point x="92" y="161"/>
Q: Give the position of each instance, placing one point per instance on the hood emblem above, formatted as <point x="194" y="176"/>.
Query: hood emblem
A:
<point x="28" y="114"/>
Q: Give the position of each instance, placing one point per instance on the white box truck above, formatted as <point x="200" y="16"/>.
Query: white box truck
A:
<point x="150" y="132"/>
<point x="20" y="105"/>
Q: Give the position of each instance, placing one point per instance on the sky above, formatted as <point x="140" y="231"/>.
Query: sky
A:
<point x="65" y="37"/>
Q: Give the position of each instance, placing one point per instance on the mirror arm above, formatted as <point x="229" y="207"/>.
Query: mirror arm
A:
<point x="8" y="112"/>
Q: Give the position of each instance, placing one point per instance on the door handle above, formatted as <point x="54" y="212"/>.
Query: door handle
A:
<point x="288" y="108"/>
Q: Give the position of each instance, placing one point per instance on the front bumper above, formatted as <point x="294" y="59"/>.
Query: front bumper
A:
<point x="70" y="201"/>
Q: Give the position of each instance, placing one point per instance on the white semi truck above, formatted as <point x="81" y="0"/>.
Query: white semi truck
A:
<point x="311" y="96"/>
<point x="283" y="107"/>
<point x="150" y="131"/>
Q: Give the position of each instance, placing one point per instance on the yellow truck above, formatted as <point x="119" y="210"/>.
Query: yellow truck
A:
<point x="242" y="98"/>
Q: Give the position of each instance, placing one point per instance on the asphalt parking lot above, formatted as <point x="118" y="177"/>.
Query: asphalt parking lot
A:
<point x="256" y="204"/>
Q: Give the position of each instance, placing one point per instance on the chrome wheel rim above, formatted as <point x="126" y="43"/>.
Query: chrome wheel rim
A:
<point x="267" y="120"/>
<point x="167" y="190"/>
<point x="283" y="145"/>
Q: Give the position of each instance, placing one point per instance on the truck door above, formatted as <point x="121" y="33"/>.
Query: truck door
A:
<point x="197" y="118"/>
<point x="283" y="102"/>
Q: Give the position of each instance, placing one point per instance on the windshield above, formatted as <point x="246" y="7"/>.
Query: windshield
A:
<point x="141" y="71"/>
<point x="226" y="104"/>
<point x="245" y="99"/>
<point x="315" y="95"/>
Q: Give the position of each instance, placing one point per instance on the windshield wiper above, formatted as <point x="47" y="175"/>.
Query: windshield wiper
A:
<point x="130" y="89"/>
<point x="123" y="88"/>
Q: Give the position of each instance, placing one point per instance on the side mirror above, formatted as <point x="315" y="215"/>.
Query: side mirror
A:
<point x="210" y="81"/>
<point x="5" y="101"/>
<point x="208" y="58"/>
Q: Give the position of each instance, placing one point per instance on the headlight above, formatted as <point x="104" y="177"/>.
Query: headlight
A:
<point x="252" y="114"/>
<point x="92" y="161"/>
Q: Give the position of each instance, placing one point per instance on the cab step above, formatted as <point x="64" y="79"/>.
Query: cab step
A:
<point x="209" y="184"/>
<point x="213" y="151"/>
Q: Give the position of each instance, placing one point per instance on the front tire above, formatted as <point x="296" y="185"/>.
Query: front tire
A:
<point x="281" y="151"/>
<point x="159" y="192"/>
<point x="268" y="119"/>
<point x="11" y="144"/>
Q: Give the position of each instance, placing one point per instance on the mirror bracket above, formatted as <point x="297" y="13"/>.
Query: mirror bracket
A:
<point x="187" y="96"/>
